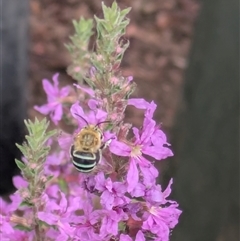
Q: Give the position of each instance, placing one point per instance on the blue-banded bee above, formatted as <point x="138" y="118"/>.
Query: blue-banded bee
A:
<point x="86" y="151"/>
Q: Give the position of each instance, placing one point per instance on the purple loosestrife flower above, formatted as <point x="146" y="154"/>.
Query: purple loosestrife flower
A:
<point x="92" y="116"/>
<point x="20" y="236"/>
<point x="6" y="211"/>
<point x="58" y="214"/>
<point x="139" y="237"/>
<point x="54" y="98"/>
<point x="143" y="144"/>
<point x="160" y="220"/>
<point x="112" y="192"/>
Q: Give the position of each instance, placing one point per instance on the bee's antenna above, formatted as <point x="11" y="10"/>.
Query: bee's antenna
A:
<point x="98" y="124"/>
<point x="82" y="118"/>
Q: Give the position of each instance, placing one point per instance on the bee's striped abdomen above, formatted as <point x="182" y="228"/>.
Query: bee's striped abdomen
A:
<point x="84" y="161"/>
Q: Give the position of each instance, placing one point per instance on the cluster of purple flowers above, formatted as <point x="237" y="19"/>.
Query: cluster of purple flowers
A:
<point x="119" y="201"/>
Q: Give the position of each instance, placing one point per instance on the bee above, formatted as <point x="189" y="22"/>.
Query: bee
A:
<point x="86" y="151"/>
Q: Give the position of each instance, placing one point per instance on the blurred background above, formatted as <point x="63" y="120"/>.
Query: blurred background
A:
<point x="183" y="54"/>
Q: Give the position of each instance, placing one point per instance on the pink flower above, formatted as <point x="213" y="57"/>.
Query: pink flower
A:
<point x="92" y="117"/>
<point x="6" y="210"/>
<point x="59" y="214"/>
<point x="139" y="237"/>
<point x="143" y="144"/>
<point x="54" y="98"/>
<point x="112" y="192"/>
<point x="159" y="220"/>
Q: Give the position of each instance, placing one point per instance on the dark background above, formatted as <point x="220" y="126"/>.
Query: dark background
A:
<point x="183" y="55"/>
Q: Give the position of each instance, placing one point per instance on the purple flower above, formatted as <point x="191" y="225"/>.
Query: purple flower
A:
<point x="92" y="117"/>
<point x="6" y="210"/>
<point x="19" y="182"/>
<point x="139" y="237"/>
<point x="58" y="214"/>
<point x="109" y="223"/>
<point x="18" y="235"/>
<point x="54" y="98"/>
<point x="142" y="145"/>
<point x="112" y="192"/>
<point x="85" y="89"/>
<point x="159" y="220"/>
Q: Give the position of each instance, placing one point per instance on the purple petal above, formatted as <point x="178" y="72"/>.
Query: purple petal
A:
<point x="55" y="80"/>
<point x="44" y="109"/>
<point x="138" y="103"/>
<point x="19" y="182"/>
<point x="150" y="110"/>
<point x="119" y="148"/>
<point x="148" y="129"/>
<point x="48" y="88"/>
<point x="132" y="175"/>
<point x="107" y="200"/>
<point x="64" y="91"/>
<point x="120" y="188"/>
<point x="109" y="184"/>
<point x="48" y="218"/>
<point x="93" y="104"/>
<point x="136" y="134"/>
<point x="154" y="194"/>
<point x="100" y="116"/>
<point x="168" y="189"/>
<point x="77" y="111"/>
<point x="125" y="237"/>
<point x="100" y="181"/>
<point x="63" y="202"/>
<point x="138" y="191"/>
<point x="65" y="141"/>
<point x="57" y="116"/>
<point x="86" y="89"/>
<point x="157" y="152"/>
<point x="158" y="137"/>
<point x="150" y="174"/>
<point x="140" y="236"/>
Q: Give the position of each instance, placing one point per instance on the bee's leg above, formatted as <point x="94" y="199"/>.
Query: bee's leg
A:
<point x="106" y="144"/>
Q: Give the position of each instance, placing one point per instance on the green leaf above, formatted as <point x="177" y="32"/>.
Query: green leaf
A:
<point x="25" y="204"/>
<point x="20" y="164"/>
<point x="22" y="228"/>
